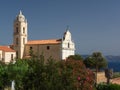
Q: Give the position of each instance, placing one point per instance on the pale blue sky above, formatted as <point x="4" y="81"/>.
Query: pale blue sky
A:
<point x="94" y="24"/>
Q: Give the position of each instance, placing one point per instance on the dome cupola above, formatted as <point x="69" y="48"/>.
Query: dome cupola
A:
<point x="20" y="17"/>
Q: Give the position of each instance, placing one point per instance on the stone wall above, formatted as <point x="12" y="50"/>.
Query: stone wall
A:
<point x="101" y="77"/>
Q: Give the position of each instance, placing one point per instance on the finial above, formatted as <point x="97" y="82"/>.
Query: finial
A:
<point x="20" y="12"/>
<point x="67" y="29"/>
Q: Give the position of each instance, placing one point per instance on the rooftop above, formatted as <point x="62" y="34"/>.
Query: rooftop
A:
<point x="6" y="49"/>
<point x="51" y="41"/>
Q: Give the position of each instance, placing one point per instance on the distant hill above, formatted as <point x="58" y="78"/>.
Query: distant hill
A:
<point x="109" y="58"/>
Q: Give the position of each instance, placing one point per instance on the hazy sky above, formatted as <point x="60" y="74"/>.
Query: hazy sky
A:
<point x="94" y="24"/>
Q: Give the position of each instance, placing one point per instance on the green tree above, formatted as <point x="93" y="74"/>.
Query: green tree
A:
<point x="96" y="61"/>
<point x="35" y="74"/>
<point x="17" y="71"/>
<point x="35" y="77"/>
<point x="4" y="76"/>
<point x="75" y="57"/>
<point x="75" y="76"/>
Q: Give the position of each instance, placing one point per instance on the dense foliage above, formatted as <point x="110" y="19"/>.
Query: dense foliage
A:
<point x="96" y="60"/>
<point x="75" y="57"/>
<point x="4" y="76"/>
<point x="116" y="74"/>
<point x="35" y="74"/>
<point x="108" y="87"/>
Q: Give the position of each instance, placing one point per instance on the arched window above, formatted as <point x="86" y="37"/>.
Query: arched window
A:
<point x="68" y="45"/>
<point x="17" y="31"/>
<point x="31" y="51"/>
<point x="23" y="29"/>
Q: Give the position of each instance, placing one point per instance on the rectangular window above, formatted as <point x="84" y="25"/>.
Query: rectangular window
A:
<point x="11" y="56"/>
<point x="48" y="47"/>
<point x="3" y="59"/>
<point x="31" y="51"/>
<point x="31" y="48"/>
<point x="17" y="54"/>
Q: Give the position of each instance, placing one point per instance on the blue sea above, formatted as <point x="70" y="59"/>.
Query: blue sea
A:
<point x="114" y="65"/>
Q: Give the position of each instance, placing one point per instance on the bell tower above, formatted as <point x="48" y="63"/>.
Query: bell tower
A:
<point x="20" y="34"/>
<point x="68" y="46"/>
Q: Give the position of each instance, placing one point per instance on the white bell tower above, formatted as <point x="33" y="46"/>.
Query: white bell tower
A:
<point x="68" y="46"/>
<point x="20" y="35"/>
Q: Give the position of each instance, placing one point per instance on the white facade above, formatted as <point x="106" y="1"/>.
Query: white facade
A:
<point x="1" y="55"/>
<point x="68" y="46"/>
<point x="7" y="54"/>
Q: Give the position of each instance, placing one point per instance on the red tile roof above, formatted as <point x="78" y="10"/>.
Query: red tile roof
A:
<point x="6" y="49"/>
<point x="52" y="41"/>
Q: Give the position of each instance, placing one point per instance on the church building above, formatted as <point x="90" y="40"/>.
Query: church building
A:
<point x="58" y="49"/>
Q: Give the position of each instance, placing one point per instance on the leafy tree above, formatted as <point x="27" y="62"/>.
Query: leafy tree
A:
<point x="35" y="77"/>
<point x="75" y="57"/>
<point x="97" y="61"/>
<point x="74" y="75"/>
<point x="17" y="72"/>
<point x="108" y="87"/>
<point x="35" y="74"/>
<point x="4" y="78"/>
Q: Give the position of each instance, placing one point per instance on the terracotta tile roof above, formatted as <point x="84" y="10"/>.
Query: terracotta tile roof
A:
<point x="51" y="41"/>
<point x="6" y="49"/>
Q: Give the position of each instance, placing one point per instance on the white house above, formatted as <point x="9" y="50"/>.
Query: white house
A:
<point x="7" y="54"/>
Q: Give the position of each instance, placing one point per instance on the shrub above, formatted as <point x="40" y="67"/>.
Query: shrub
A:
<point x="75" y="74"/>
<point x="108" y="87"/>
<point x="116" y="74"/>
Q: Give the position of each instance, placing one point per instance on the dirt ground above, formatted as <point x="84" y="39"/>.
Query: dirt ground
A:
<point x="116" y="80"/>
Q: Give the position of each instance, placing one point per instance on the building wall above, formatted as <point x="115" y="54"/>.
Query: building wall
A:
<point x="8" y="56"/>
<point x="1" y="55"/>
<point x="66" y="53"/>
<point x="47" y="50"/>
<point x="68" y="46"/>
<point x="101" y="77"/>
